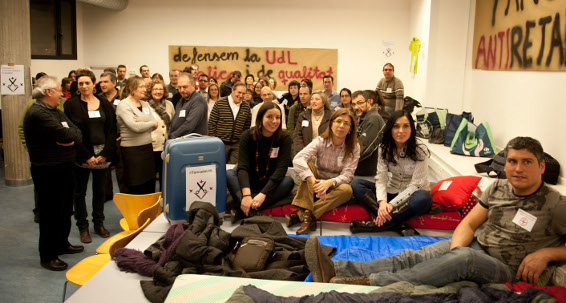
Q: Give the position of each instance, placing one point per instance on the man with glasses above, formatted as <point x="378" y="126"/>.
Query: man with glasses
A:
<point x="172" y="87"/>
<point x="369" y="133"/>
<point x="191" y="112"/>
<point x="391" y="88"/>
<point x="203" y="85"/>
<point x="333" y="96"/>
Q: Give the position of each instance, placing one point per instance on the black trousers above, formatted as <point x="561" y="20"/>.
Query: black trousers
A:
<point x="54" y="187"/>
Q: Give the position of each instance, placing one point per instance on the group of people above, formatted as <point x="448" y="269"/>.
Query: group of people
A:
<point x="334" y="141"/>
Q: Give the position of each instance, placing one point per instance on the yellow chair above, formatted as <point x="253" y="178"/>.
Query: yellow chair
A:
<point x="150" y="213"/>
<point x="131" y="205"/>
<point x="89" y="266"/>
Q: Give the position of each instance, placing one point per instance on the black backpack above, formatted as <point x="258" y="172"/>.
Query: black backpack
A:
<point x="497" y="166"/>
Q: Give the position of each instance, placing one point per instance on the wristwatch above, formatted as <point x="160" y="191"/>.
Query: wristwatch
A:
<point x="333" y="183"/>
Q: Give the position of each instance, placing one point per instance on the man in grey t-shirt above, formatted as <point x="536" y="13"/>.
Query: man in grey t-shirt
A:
<point x="523" y="238"/>
<point x="391" y="88"/>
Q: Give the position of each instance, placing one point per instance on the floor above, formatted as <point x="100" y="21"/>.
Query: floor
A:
<point x="24" y="280"/>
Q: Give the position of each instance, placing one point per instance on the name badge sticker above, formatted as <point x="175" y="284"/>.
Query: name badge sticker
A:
<point x="65" y="124"/>
<point x="525" y="220"/>
<point x="409" y="169"/>
<point x="340" y="159"/>
<point x="155" y="115"/>
<point x="389" y="90"/>
<point x="116" y="102"/>
<point x="305" y="123"/>
<point x="93" y="114"/>
<point x="274" y="152"/>
<point x="182" y="114"/>
<point x="170" y="95"/>
<point x="145" y="110"/>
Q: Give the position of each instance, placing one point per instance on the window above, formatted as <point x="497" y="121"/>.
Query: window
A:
<point x="53" y="29"/>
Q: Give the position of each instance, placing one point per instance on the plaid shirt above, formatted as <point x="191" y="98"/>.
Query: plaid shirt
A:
<point x="330" y="162"/>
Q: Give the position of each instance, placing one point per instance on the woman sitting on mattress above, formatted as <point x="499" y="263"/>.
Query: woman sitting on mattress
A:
<point x="259" y="180"/>
<point x="337" y="152"/>
<point x="402" y="179"/>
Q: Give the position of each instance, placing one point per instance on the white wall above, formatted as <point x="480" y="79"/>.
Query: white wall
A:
<point x="419" y="27"/>
<point x="356" y="29"/>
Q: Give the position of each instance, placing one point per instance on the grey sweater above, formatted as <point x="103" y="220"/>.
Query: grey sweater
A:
<point x="134" y="133"/>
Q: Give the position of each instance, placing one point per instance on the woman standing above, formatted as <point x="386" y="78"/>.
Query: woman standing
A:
<point x="136" y="123"/>
<point x="256" y="95"/>
<point x="249" y="81"/>
<point x="213" y="96"/>
<point x="402" y="178"/>
<point x="312" y="122"/>
<point x="162" y="110"/>
<point x="337" y="152"/>
<point x="346" y="99"/>
<point x="265" y="152"/>
<point x="248" y="96"/>
<point x="96" y="120"/>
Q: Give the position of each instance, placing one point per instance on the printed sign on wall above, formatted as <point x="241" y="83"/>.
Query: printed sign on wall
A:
<point x="282" y="64"/>
<point x="520" y="35"/>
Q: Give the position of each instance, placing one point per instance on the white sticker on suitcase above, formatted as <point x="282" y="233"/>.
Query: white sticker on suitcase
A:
<point x="201" y="184"/>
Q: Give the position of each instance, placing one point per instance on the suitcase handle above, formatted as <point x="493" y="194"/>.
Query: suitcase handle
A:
<point x="191" y="135"/>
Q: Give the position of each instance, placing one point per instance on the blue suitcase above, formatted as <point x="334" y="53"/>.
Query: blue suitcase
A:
<point x="194" y="169"/>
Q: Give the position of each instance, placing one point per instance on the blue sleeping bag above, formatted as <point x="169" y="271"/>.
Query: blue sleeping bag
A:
<point x="367" y="248"/>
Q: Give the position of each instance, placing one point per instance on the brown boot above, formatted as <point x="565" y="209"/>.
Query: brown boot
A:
<point x="320" y="264"/>
<point x="292" y="219"/>
<point x="308" y="224"/>
<point x="85" y="236"/>
<point x="361" y="280"/>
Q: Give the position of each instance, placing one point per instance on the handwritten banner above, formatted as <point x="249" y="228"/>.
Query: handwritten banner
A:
<point x="520" y="35"/>
<point x="282" y="64"/>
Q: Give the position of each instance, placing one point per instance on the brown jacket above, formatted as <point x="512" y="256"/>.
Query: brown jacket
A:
<point x="303" y="134"/>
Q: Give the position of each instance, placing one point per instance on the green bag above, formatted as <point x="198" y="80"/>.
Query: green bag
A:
<point x="430" y="119"/>
<point x="472" y="140"/>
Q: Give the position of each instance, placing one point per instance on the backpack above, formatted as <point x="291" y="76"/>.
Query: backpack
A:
<point x="497" y="166"/>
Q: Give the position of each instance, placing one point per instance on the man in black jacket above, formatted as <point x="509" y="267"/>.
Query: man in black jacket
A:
<point x="50" y="139"/>
<point x="226" y="86"/>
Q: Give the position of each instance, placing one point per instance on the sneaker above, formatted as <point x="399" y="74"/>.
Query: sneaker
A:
<point x="320" y="265"/>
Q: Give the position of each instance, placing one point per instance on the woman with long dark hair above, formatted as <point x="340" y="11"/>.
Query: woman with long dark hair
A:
<point x="213" y="96"/>
<point x="136" y="123"/>
<point x="96" y="120"/>
<point x="402" y="178"/>
<point x="337" y="152"/>
<point x="265" y="152"/>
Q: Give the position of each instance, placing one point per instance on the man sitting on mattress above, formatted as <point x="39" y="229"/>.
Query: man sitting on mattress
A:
<point x="522" y="239"/>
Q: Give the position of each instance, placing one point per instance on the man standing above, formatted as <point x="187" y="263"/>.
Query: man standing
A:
<point x="190" y="112"/>
<point x="391" y="88"/>
<point x="108" y="87"/>
<point x="229" y="118"/>
<point x="50" y="138"/>
<point x="172" y="87"/>
<point x="299" y="107"/>
<point x="523" y="235"/>
<point x="370" y="126"/>
<point x="121" y="79"/>
<point x="203" y="85"/>
<point x="226" y="86"/>
<point x="291" y="96"/>
<point x="144" y="71"/>
<point x="268" y="96"/>
<point x="333" y="96"/>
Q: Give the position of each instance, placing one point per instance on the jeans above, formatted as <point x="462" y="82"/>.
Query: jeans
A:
<point x="360" y="187"/>
<point x="281" y="191"/>
<point x="98" y="196"/>
<point x="419" y="201"/>
<point x="433" y="264"/>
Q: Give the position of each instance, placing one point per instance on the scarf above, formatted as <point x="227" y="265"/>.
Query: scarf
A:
<point x="160" y="110"/>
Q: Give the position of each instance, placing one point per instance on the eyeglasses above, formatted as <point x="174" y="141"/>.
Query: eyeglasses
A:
<point x="359" y="103"/>
<point x="346" y="123"/>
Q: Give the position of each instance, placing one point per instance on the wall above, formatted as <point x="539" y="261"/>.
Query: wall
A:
<point x="355" y="30"/>
<point x="419" y="26"/>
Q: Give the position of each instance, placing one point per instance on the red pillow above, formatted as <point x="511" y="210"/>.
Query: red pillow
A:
<point x="452" y="193"/>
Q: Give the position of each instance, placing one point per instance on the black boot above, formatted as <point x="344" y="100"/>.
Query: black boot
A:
<point x="358" y="226"/>
<point x="370" y="201"/>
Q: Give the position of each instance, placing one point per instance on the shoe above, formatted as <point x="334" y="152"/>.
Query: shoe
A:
<point x="308" y="224"/>
<point x="55" y="265"/>
<point x="85" y="236"/>
<point x="36" y="218"/>
<point x="292" y="219"/>
<point x="369" y="226"/>
<point x="236" y="215"/>
<point x="73" y="249"/>
<point x="361" y="280"/>
<point x="320" y="265"/>
<point x="407" y="230"/>
<point x="101" y="231"/>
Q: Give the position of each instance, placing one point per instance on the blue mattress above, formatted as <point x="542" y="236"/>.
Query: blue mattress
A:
<point x="366" y="248"/>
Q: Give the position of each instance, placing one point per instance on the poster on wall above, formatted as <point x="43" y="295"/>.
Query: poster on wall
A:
<point x="282" y="64"/>
<point x="520" y="35"/>
<point x="12" y="80"/>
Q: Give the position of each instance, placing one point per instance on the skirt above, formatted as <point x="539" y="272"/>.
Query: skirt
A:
<point x="139" y="165"/>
